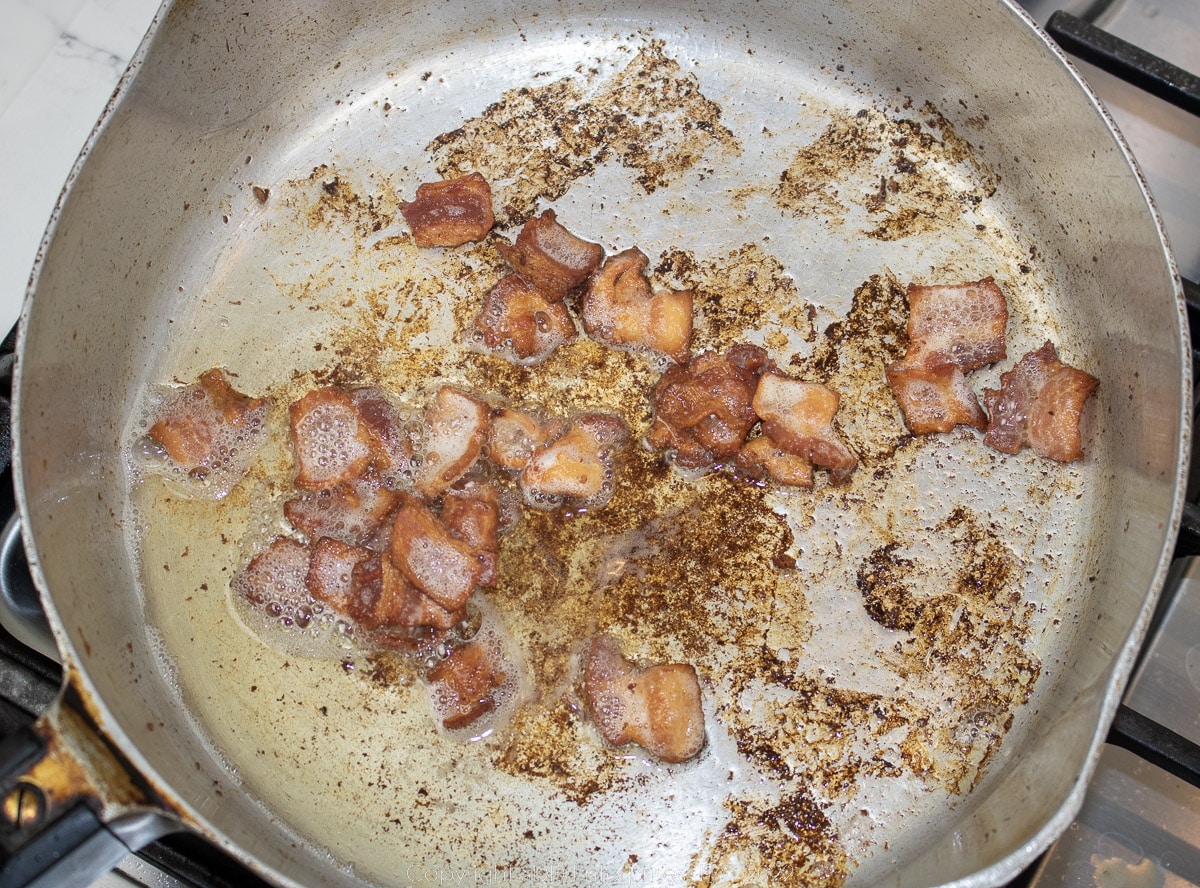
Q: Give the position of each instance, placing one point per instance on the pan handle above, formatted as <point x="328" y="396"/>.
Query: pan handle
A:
<point x="20" y="610"/>
<point x="70" y="807"/>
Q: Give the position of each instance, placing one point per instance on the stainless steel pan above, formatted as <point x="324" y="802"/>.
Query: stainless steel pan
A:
<point x="796" y="163"/>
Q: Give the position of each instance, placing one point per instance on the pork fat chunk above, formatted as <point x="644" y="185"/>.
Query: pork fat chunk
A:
<point x="514" y="436"/>
<point x="350" y="513"/>
<point x="550" y="258"/>
<point x="450" y="212"/>
<point x="464" y="685"/>
<point x="431" y="558"/>
<point x="576" y="465"/>
<point x="210" y="427"/>
<point x="620" y="309"/>
<point x="456" y="426"/>
<point x="471" y="513"/>
<point x="331" y="443"/>
<point x="518" y="317"/>
<point x="657" y="708"/>
<point x="952" y="329"/>
<point x="797" y="418"/>
<point x="703" y="411"/>
<point x="1039" y="404"/>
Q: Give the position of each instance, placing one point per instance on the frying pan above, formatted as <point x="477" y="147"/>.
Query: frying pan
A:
<point x="795" y="164"/>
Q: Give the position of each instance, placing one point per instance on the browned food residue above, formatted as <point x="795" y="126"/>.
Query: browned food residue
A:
<point x="850" y="356"/>
<point x="788" y="841"/>
<point x="534" y="142"/>
<point x="902" y="171"/>
<point x="745" y="291"/>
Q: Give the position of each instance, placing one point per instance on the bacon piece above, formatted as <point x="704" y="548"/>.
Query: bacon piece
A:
<point x="704" y="411"/>
<point x="275" y="577"/>
<point x="202" y="424"/>
<point x="331" y="570"/>
<point x="350" y="513"/>
<point x="464" y="685"/>
<point x="450" y="212"/>
<point x="471" y="513"/>
<point x="439" y="564"/>
<point x="952" y="329"/>
<point x="798" y="419"/>
<point x="519" y="316"/>
<point x="550" y="258"/>
<point x="1039" y="404"/>
<point x="619" y="308"/>
<point x="577" y="464"/>
<point x="331" y="443"/>
<point x="382" y="598"/>
<point x="391" y="449"/>
<point x="960" y="324"/>
<point x="658" y="708"/>
<point x="934" y="398"/>
<point x="761" y="458"/>
<point x="456" y="426"/>
<point x="514" y="436"/>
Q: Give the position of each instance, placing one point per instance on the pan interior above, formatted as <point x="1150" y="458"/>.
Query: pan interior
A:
<point x="797" y="189"/>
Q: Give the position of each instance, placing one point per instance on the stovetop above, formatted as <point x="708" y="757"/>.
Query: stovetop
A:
<point x="1140" y="823"/>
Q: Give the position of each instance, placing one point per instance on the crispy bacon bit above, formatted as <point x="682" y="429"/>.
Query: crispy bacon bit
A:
<point x="472" y="514"/>
<point x="330" y="571"/>
<point x="451" y="212"/>
<point x="514" y="436"/>
<point x="658" y="708"/>
<point x="350" y="513"/>
<point x="619" y="308"/>
<point x="439" y="564"/>
<point x="382" y="598"/>
<point x="204" y="418"/>
<point x="798" y="419"/>
<point x="704" y="411"/>
<point x="465" y="684"/>
<point x="331" y="443"/>
<point x="519" y="316"/>
<point x="550" y="258"/>
<point x="934" y="398"/>
<point x="952" y="330"/>
<point x="275" y="577"/>
<point x="391" y="449"/>
<point x="456" y="426"/>
<point x="1039" y="404"/>
<point x="961" y="325"/>
<point x="577" y="465"/>
<point x="761" y="458"/>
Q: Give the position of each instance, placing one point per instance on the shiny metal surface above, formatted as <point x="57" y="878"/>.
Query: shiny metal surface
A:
<point x="126" y="257"/>
<point x="1166" y="685"/>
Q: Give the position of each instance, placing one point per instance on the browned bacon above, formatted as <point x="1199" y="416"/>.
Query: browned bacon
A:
<point x="450" y="212"/>
<point x="472" y="514"/>
<point x="952" y="329"/>
<point x="331" y="570"/>
<point x="577" y="465"/>
<point x="514" y="436"/>
<point x="658" y="708"/>
<point x="1039" y="404"/>
<point x="330" y="442"/>
<point x="703" y="412"/>
<point x="519" y="316"/>
<point x="439" y="564"/>
<point x="934" y="398"/>
<point x="620" y="308"/>
<point x="798" y="420"/>
<point x="391" y="449"/>
<point x="381" y="597"/>
<point x="550" y="258"/>
<point x="456" y="426"/>
<point x="275" y="577"/>
<point x="465" y="684"/>
<point x="350" y="513"/>
<point x="195" y="423"/>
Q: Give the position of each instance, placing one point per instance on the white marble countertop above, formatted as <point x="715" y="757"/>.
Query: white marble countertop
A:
<point x="59" y="63"/>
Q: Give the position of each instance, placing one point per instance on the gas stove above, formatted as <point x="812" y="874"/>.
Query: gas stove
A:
<point x="1140" y="823"/>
